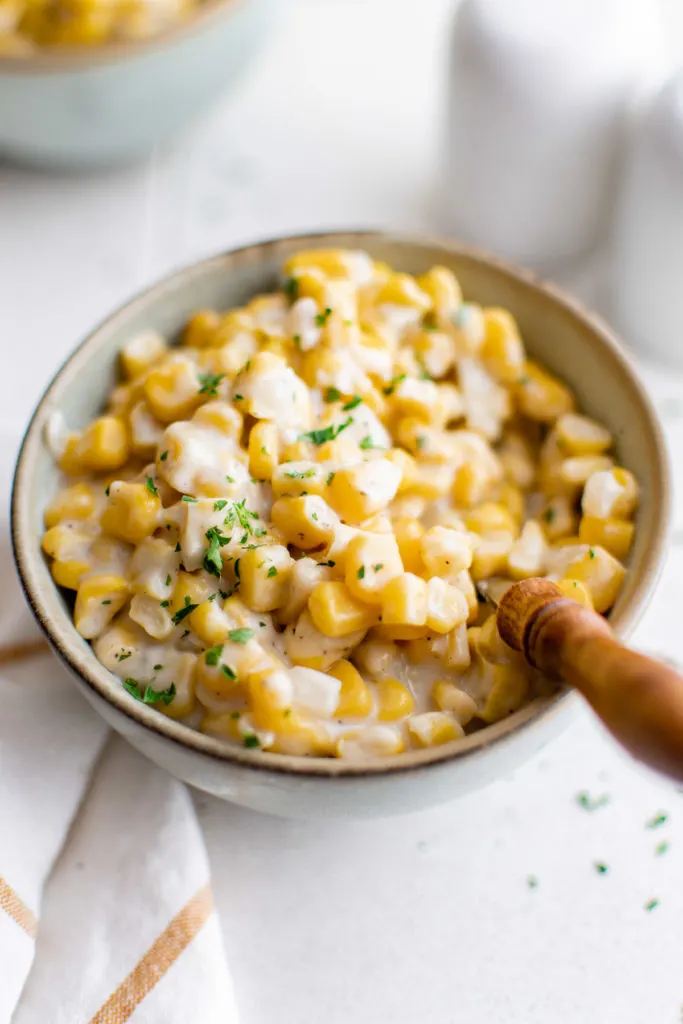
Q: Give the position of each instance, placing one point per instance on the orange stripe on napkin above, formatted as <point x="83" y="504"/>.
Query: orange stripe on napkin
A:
<point x="161" y="955"/>
<point x="19" y="652"/>
<point x="17" y="909"/>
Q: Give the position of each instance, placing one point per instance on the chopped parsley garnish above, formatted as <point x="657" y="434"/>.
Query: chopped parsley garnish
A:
<point x="177" y="547"/>
<point x="532" y="882"/>
<point x="352" y="403"/>
<point x="589" y="803"/>
<point x="213" y="655"/>
<point x="326" y="433"/>
<point x="291" y="288"/>
<point x="314" y="515"/>
<point x="262" y="625"/>
<point x="601" y="869"/>
<point x="421" y="441"/>
<point x="235" y="715"/>
<point x="361" y="572"/>
<point x="271" y="572"/>
<point x="366" y="443"/>
<point x="107" y="489"/>
<point x="151" y="487"/>
<point x="332" y="395"/>
<point x="213" y="560"/>
<point x="189" y="498"/>
<point x="380" y="565"/>
<point x="297" y="341"/>
<point x="158" y="668"/>
<point x="389" y="389"/>
<point x="238" y="513"/>
<point x="164" y="604"/>
<point x="237" y="568"/>
<point x="591" y="553"/>
<point x="330" y="563"/>
<point x="229" y="478"/>
<point x="659" y="819"/>
<point x="662" y="848"/>
<point x="330" y="478"/>
<point x="250" y="740"/>
<point x="168" y="580"/>
<point x="240" y="636"/>
<point x="123" y="654"/>
<point x="303" y="475"/>
<point x="322" y="318"/>
<point x="238" y="398"/>
<point x="106" y="602"/>
<point x="549" y="515"/>
<point x="651" y="904"/>
<point x="209" y="383"/>
<point x="182" y="613"/>
<point x="148" y="695"/>
<point x="163" y="456"/>
<point x="219" y="505"/>
<point x="228" y="672"/>
<point x="424" y="372"/>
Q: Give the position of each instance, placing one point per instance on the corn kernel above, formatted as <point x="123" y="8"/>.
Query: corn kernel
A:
<point x="306" y="521"/>
<point x="434" y="728"/>
<point x="575" y="471"/>
<point x="264" y="450"/>
<point x="375" y="741"/>
<point x="336" y="612"/>
<point x="306" y="645"/>
<point x="502" y="350"/>
<point x="509" y="689"/>
<point x="579" y="435"/>
<point x="355" y="699"/>
<point x="575" y="590"/>
<point x="447" y="606"/>
<point x="610" y="495"/>
<point x="449" y="697"/>
<point x="172" y="390"/>
<point x="541" y="396"/>
<point x="527" y="555"/>
<point x="357" y="492"/>
<point x="264" y="576"/>
<point x="445" y="552"/>
<point x="75" y="502"/>
<point x="443" y="288"/>
<point x="404" y="601"/>
<point x="69" y="573"/>
<point x="491" y="554"/>
<point x="615" y="535"/>
<point x="602" y="575"/>
<point x="294" y="478"/>
<point x="558" y="518"/>
<point x="408" y="533"/>
<point x="98" y="600"/>
<point x="200" y="331"/>
<point x="141" y="352"/>
<point x="489" y="517"/>
<point x="394" y="700"/>
<point x="132" y="512"/>
<point x="102" y="446"/>
<point x="372" y="560"/>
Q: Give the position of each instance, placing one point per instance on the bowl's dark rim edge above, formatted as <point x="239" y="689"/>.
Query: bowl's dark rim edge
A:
<point x="477" y="743"/>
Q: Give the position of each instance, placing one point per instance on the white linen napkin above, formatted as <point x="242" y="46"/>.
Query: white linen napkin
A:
<point x="106" y="911"/>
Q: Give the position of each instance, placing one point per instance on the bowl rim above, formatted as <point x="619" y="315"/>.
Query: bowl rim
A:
<point x="79" y="58"/>
<point x="77" y="654"/>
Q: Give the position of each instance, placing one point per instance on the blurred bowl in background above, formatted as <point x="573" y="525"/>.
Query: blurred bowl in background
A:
<point x="113" y="103"/>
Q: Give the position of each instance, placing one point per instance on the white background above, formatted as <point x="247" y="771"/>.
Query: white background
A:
<point x="425" y="918"/>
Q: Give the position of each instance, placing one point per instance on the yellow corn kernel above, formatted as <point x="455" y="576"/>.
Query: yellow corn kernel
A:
<point x="502" y="350"/>
<point x="148" y="613"/>
<point x="489" y="644"/>
<point x="417" y="398"/>
<point x="294" y="478"/>
<point x="526" y="557"/>
<point x="454" y="650"/>
<point x="403" y="290"/>
<point x="602" y="575"/>
<point x="264" y="449"/>
<point x="435" y="351"/>
<point x="209" y="622"/>
<point x="375" y="659"/>
<point x="447" y="606"/>
<point x="509" y="689"/>
<point x="220" y="416"/>
<point x="183" y="678"/>
<point x="512" y="499"/>
<point x="299" y="451"/>
<point x="306" y="645"/>
<point x="69" y="573"/>
<point x="558" y="518"/>
<point x="449" y="697"/>
<point x="615" y="535"/>
<point x="304" y="738"/>
<point x="189" y="589"/>
<point x="358" y="492"/>
<point x="200" y="331"/>
<point x="575" y="590"/>
<point x="224" y="725"/>
<point x="264" y="577"/>
<point x="491" y="554"/>
<point x="372" y="560"/>
<point x="516" y="454"/>
<point x="336" y="612"/>
<point x="98" y="600"/>
<point x="542" y="397"/>
<point x="394" y="700"/>
<point x="391" y="633"/>
<point x="141" y="352"/>
<point x="404" y="601"/>
<point x="132" y="511"/>
<point x="471" y="484"/>
<point x="432" y="481"/>
<point x="408" y="533"/>
<point x="463" y="581"/>
<point x="488" y="517"/>
<point x="327" y="262"/>
<point x="445" y="551"/>
<point x="408" y="466"/>
<point x="64" y="544"/>
<point x="355" y="699"/>
<point x="374" y="741"/>
<point x="103" y="445"/>
<point x="579" y="435"/>
<point x="172" y="390"/>
<point x="306" y="521"/>
<point x="575" y="471"/>
<point x="443" y="288"/>
<point x="75" y="502"/>
<point x="434" y="728"/>
<point x="610" y="495"/>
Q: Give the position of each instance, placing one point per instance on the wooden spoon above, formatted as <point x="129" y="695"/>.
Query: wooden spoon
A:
<point x="640" y="700"/>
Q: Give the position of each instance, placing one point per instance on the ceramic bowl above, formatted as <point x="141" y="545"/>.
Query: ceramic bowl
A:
<point x="113" y="103"/>
<point x="558" y="333"/>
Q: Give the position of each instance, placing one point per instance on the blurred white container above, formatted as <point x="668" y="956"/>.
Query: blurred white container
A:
<point x="539" y="98"/>
<point x="646" y="281"/>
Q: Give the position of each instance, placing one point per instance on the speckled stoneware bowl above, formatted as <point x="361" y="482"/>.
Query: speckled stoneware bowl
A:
<point x="558" y="333"/>
<point x="111" y="104"/>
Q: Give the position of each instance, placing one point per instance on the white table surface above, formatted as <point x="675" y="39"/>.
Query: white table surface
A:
<point x="428" y="917"/>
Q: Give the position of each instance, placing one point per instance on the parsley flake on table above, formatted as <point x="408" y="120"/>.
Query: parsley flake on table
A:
<point x="209" y="383"/>
<point x="652" y="904"/>
<point x="532" y="882"/>
<point x="659" y="819"/>
<point x="241" y="635"/>
<point x="601" y="869"/>
<point x="149" y="695"/>
<point x="325" y="434"/>
<point x="661" y="848"/>
<point x="589" y="803"/>
<point x="151" y="486"/>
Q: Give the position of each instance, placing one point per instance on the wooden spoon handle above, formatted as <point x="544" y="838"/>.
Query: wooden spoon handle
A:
<point x="640" y="700"/>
